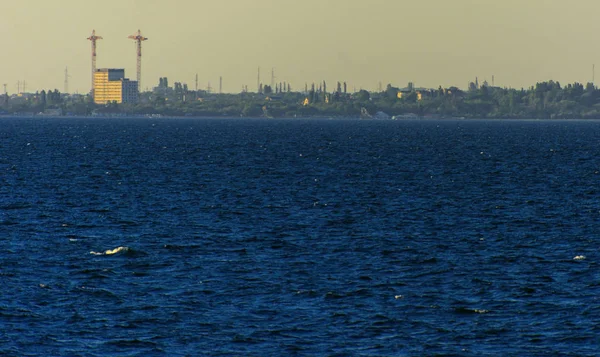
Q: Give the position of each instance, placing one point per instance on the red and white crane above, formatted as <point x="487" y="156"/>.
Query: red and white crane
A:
<point x="138" y="38"/>
<point x="93" y="38"/>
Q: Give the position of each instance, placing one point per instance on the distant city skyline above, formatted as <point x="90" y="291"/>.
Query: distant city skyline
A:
<point x="364" y="43"/>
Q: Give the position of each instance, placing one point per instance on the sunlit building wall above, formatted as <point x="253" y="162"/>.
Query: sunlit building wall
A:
<point x="110" y="85"/>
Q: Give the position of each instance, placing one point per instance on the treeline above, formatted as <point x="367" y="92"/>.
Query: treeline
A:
<point x="545" y="100"/>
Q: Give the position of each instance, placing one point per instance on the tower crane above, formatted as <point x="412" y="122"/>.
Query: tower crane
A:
<point x="138" y="38"/>
<point x="93" y="38"/>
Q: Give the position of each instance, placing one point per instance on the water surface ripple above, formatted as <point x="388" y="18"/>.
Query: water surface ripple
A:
<point x="186" y="237"/>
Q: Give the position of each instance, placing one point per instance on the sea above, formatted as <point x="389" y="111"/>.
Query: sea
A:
<point x="299" y="237"/>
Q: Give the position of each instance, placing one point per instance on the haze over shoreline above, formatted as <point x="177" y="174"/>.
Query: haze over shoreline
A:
<point x="361" y="42"/>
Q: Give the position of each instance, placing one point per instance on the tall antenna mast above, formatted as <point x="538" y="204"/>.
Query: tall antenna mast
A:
<point x="220" y="85"/>
<point x="138" y="38"/>
<point x="67" y="79"/>
<point x="196" y="82"/>
<point x="272" y="77"/>
<point x="258" y="81"/>
<point x="93" y="38"/>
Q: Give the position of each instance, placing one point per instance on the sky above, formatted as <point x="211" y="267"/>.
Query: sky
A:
<point x="361" y="42"/>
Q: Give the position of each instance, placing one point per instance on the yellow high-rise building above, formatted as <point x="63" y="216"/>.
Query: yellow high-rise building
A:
<point x="110" y="85"/>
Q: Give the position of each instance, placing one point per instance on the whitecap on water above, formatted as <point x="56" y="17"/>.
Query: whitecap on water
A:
<point x="111" y="251"/>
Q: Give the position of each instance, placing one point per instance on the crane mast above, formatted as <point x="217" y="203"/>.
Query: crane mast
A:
<point x="93" y="38"/>
<point x="138" y="38"/>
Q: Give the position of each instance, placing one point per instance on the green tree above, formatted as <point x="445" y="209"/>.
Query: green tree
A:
<point x="43" y="98"/>
<point x="363" y="96"/>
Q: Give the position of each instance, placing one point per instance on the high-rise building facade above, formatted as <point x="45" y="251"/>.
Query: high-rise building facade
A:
<point x="110" y="85"/>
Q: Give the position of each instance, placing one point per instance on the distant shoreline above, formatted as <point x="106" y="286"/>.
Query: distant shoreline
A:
<point x="546" y="100"/>
<point x="91" y="117"/>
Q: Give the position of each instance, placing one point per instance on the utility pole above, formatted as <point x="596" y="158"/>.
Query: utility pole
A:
<point x="93" y="38"/>
<point x="138" y="38"/>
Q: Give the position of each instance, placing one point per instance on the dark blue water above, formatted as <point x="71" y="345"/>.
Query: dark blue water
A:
<point x="173" y="237"/>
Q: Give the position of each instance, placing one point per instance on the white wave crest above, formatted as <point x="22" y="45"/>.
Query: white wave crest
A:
<point x="111" y="251"/>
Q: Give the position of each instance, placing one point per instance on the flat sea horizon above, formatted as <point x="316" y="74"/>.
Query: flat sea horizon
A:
<point x="299" y="237"/>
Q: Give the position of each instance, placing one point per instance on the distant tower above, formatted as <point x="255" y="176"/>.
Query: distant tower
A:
<point x="138" y="38"/>
<point x="492" y="80"/>
<point x="93" y="38"/>
<point x="66" y="80"/>
<point x="220" y="85"/>
<point x="258" y="81"/>
<point x="196" y="82"/>
<point x="272" y="77"/>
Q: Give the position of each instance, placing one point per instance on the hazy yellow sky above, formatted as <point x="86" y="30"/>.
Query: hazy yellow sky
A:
<point x="363" y="42"/>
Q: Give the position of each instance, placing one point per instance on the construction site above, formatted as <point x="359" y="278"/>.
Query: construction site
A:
<point x="109" y="85"/>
